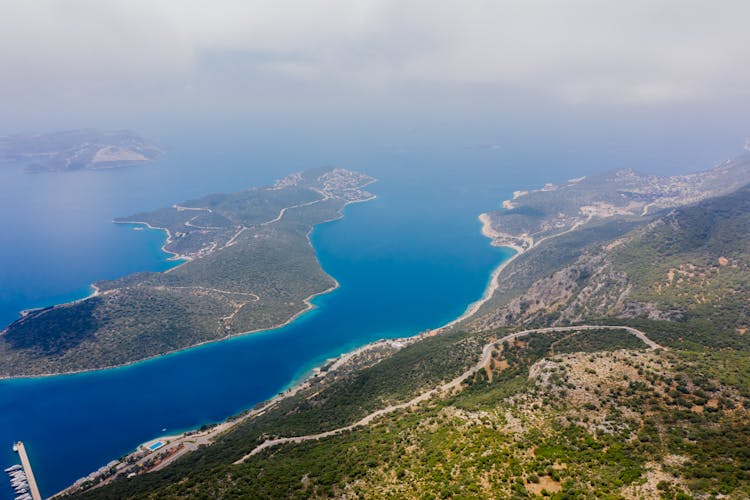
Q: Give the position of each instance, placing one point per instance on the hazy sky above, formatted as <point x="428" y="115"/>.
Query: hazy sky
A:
<point x="79" y="60"/>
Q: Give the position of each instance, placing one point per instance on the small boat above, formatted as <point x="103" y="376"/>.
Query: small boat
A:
<point x="15" y="447"/>
<point x="13" y="468"/>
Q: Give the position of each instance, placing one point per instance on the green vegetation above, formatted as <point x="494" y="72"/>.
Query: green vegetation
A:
<point x="597" y="340"/>
<point x="408" y="372"/>
<point x="541" y="261"/>
<point x="694" y="335"/>
<point x="251" y="267"/>
<point x="526" y="430"/>
<point x="56" y="329"/>
<point x="699" y="265"/>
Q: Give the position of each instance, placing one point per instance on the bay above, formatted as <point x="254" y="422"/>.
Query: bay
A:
<point x="410" y="260"/>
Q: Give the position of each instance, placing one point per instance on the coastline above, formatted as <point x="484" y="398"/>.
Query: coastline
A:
<point x="493" y="283"/>
<point x="316" y="374"/>
<point x="25" y="312"/>
<point x="325" y="369"/>
<point x="309" y="305"/>
<point x="470" y="310"/>
<point x="174" y="255"/>
<point x="96" y="291"/>
<point x="142" y="452"/>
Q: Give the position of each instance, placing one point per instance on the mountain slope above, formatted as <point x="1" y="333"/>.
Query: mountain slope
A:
<point x="690" y="265"/>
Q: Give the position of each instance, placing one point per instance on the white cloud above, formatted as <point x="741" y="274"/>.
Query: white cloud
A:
<point x="579" y="51"/>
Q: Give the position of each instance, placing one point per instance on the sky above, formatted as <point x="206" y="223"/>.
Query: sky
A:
<point x="78" y="62"/>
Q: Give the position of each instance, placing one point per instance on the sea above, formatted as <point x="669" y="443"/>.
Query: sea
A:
<point x="410" y="260"/>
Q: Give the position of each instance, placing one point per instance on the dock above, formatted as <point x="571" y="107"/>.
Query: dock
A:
<point x="33" y="488"/>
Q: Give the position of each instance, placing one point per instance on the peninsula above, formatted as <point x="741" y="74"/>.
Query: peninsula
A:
<point x="72" y="150"/>
<point x="248" y="266"/>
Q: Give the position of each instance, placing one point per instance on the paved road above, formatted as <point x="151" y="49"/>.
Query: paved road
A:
<point x="455" y="383"/>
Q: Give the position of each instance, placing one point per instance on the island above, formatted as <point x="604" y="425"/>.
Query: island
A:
<point x="72" y="150"/>
<point x="247" y="264"/>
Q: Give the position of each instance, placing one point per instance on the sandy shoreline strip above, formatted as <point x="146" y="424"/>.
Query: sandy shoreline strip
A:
<point x="494" y="283"/>
<point x="493" y="235"/>
<point x="174" y="255"/>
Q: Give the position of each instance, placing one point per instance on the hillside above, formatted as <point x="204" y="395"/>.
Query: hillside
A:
<point x="531" y="217"/>
<point x="690" y="265"/>
<point x="249" y="265"/>
<point x="568" y="412"/>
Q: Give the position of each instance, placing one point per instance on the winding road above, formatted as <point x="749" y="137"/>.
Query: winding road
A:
<point x="453" y="384"/>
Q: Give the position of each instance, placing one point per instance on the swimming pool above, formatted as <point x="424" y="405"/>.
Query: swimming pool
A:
<point x="156" y="445"/>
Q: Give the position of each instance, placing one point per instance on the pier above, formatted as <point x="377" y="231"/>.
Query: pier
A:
<point x="33" y="488"/>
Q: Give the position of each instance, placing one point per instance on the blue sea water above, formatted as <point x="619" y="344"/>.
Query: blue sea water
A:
<point x="409" y="260"/>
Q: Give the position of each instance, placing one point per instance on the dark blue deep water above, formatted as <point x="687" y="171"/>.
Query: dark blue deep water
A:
<point x="410" y="260"/>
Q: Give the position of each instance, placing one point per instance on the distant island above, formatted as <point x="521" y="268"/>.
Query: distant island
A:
<point x="77" y="150"/>
<point x="248" y="266"/>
